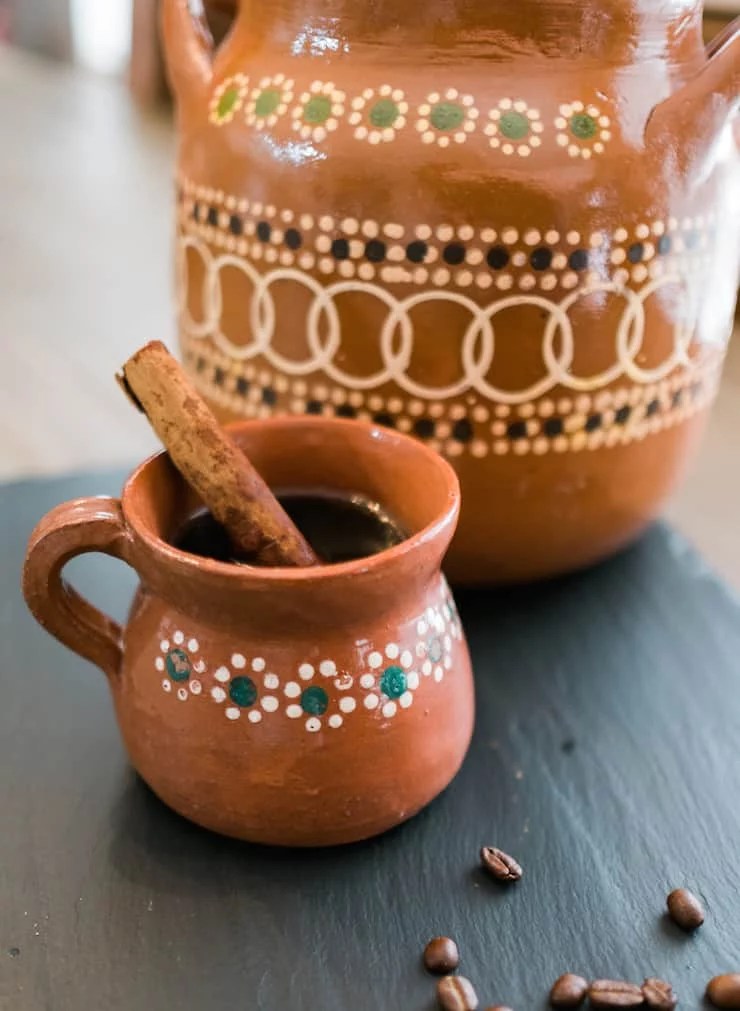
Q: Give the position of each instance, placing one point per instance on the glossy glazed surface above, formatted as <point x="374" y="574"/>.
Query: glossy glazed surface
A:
<point x="507" y="229"/>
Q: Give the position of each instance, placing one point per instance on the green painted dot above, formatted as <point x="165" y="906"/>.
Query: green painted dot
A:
<point x="243" y="692"/>
<point x="267" y="102"/>
<point x="582" y="126"/>
<point x="178" y="665"/>
<point x="317" y="109"/>
<point x="227" y="102"/>
<point x="384" y="113"/>
<point x="447" y="115"/>
<point x="393" y="682"/>
<point x="315" y="701"/>
<point x="514" y="125"/>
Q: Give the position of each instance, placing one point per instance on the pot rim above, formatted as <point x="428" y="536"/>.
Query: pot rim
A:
<point x="244" y="576"/>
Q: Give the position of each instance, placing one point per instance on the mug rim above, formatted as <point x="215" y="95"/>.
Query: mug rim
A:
<point x="293" y="575"/>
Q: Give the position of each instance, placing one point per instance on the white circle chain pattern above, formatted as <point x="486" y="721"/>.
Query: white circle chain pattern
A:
<point x="397" y="335"/>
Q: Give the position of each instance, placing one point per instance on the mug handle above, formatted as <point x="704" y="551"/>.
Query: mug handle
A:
<point x="71" y="529"/>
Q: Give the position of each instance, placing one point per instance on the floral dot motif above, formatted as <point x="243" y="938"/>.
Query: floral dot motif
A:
<point x="243" y="692"/>
<point x="269" y="101"/>
<point x="514" y="128"/>
<point x="228" y="98"/>
<point x="446" y="118"/>
<point x="583" y="130"/>
<point x="319" y="111"/>
<point x="377" y="115"/>
<point x="178" y="667"/>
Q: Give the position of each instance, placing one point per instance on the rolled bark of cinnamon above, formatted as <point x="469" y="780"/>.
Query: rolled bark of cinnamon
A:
<point x="211" y="463"/>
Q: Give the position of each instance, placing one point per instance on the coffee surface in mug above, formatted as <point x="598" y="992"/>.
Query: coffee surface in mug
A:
<point x="338" y="527"/>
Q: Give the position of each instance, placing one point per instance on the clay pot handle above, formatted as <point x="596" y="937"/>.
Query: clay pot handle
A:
<point x="75" y="528"/>
<point x="188" y="46"/>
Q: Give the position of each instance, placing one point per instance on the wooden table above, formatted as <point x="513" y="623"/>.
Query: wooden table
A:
<point x="605" y="758"/>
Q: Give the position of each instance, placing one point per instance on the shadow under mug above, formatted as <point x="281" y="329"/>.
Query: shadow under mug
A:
<point x="286" y="706"/>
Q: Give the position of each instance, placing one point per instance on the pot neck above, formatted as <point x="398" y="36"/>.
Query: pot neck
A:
<point x="612" y="30"/>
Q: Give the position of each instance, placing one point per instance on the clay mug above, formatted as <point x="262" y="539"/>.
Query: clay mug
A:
<point x="301" y="707"/>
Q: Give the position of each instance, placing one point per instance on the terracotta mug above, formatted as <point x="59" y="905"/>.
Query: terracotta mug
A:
<point x="300" y="707"/>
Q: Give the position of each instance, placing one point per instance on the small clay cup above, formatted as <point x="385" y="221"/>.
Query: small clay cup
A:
<point x="297" y="707"/>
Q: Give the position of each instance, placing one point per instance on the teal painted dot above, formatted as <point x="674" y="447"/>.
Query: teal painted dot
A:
<point x="582" y="126"/>
<point x="384" y="113"/>
<point x="315" y="701"/>
<point x="514" y="125"/>
<point x="317" y="109"/>
<point x="227" y="102"/>
<point x="447" y="115"/>
<point x="178" y="665"/>
<point x="267" y="102"/>
<point x="243" y="692"/>
<point x="435" y="650"/>
<point x="393" y="682"/>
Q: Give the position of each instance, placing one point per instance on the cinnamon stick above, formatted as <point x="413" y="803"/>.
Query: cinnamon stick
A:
<point x="210" y="461"/>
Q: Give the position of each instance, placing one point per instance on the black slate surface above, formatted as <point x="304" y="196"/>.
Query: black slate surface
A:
<point x="606" y="758"/>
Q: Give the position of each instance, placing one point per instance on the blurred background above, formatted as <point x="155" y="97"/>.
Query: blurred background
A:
<point x="86" y="164"/>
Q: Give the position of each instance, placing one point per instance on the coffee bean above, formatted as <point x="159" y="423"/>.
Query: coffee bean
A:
<point x="568" y="990"/>
<point x="500" y="864"/>
<point x="441" y="955"/>
<point x="659" y="994"/>
<point x="455" y="993"/>
<point x="724" y="991"/>
<point x="610" y="993"/>
<point x="685" y="909"/>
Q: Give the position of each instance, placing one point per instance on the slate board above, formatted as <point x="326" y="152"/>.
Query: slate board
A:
<point x="606" y="758"/>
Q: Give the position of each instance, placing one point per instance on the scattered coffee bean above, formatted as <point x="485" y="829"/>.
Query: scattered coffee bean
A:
<point x="658" y="994"/>
<point x="500" y="864"/>
<point x="685" y="909"/>
<point x="609" y="993"/>
<point x="568" y="990"/>
<point x="441" y="955"/>
<point x="455" y="993"/>
<point x="724" y="991"/>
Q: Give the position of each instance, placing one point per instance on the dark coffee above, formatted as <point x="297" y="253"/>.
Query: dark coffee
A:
<point x="338" y="527"/>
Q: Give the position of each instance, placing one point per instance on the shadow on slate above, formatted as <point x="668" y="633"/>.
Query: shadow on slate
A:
<point x="605" y="758"/>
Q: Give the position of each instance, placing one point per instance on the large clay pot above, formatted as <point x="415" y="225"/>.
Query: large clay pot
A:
<point x="299" y="707"/>
<point x="510" y="228"/>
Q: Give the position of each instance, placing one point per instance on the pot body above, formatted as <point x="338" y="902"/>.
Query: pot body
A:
<point x="287" y="740"/>
<point x="453" y="220"/>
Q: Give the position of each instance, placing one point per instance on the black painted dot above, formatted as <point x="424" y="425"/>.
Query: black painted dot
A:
<point x="242" y="386"/>
<point x="664" y="245"/>
<point x="553" y="426"/>
<point x="212" y="217"/>
<point x="235" y="225"/>
<point x="424" y="428"/>
<point x="293" y="238"/>
<point x="218" y="376"/>
<point x="517" y="430"/>
<point x="593" y="421"/>
<point x="417" y="251"/>
<point x="497" y="258"/>
<point x="196" y="211"/>
<point x="383" y="418"/>
<point x="340" y="249"/>
<point x="314" y="407"/>
<point x="622" y="416"/>
<point x="454" y="254"/>
<point x="636" y="252"/>
<point x="578" y="259"/>
<point x="346" y="411"/>
<point x="200" y="364"/>
<point x="541" y="259"/>
<point x="264" y="231"/>
<point x="375" y="251"/>
<point x="269" y="396"/>
<point x="652" y="408"/>
<point x="677" y="398"/>
<point x="462" y="430"/>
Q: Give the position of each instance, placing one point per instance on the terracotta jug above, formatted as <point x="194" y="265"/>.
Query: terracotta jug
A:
<point x="300" y="707"/>
<point x="509" y="228"/>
